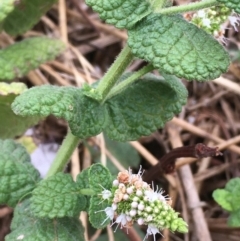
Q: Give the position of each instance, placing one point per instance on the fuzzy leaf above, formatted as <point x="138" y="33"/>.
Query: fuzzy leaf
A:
<point x="83" y="179"/>
<point x="144" y="107"/>
<point x="57" y="196"/>
<point x="234" y="219"/>
<point x="90" y="116"/>
<point x="17" y="175"/>
<point x="97" y="216"/>
<point x="178" y="47"/>
<point x="46" y="100"/>
<point x="121" y="13"/>
<point x="137" y="111"/>
<point x="99" y="178"/>
<point x="45" y="229"/>
<point x="18" y="59"/>
<point x="12" y="125"/>
<point x="233" y="4"/>
<point x="82" y="182"/>
<point x="6" y="6"/>
<point x="25" y="15"/>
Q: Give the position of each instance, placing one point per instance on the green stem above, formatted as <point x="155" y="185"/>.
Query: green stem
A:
<point x="129" y="81"/>
<point x="87" y="192"/>
<point x="189" y="7"/>
<point x="114" y="72"/>
<point x="64" y="153"/>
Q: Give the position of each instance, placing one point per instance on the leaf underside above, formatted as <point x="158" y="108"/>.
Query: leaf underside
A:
<point x="177" y="47"/>
<point x="138" y="111"/>
<point x="121" y="13"/>
<point x="18" y="59"/>
<point x="25" y="15"/>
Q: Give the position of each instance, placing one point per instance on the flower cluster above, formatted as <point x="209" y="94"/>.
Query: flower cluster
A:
<point x="212" y="20"/>
<point x="133" y="200"/>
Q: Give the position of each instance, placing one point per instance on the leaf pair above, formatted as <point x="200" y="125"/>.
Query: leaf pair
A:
<point x="135" y="112"/>
<point x="170" y="43"/>
<point x="229" y="199"/>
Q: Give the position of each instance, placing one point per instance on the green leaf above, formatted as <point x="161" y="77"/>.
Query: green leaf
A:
<point x="90" y="117"/>
<point x="233" y="186"/>
<point x="82" y="182"/>
<point x="83" y="179"/>
<point x="178" y="47"/>
<point x="12" y="125"/>
<point x="99" y="178"/>
<point x="121" y="13"/>
<point x="223" y="198"/>
<point x="25" y="15"/>
<point x="144" y="107"/>
<point x="234" y="219"/>
<point x="17" y="175"/>
<point x="25" y="226"/>
<point x="97" y="215"/>
<point x="57" y="196"/>
<point x="18" y="59"/>
<point x="138" y="111"/>
<point x="46" y="100"/>
<point x="6" y="6"/>
<point x="233" y="4"/>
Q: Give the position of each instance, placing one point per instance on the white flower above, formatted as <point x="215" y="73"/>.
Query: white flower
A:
<point x="134" y="204"/>
<point x="140" y="221"/>
<point x="201" y="14"/>
<point x="109" y="212"/>
<point x="151" y="230"/>
<point x="114" y="206"/>
<point x="106" y="194"/>
<point x="122" y="219"/>
<point x="115" y="183"/>
<point x="206" y="22"/>
<point x="234" y="21"/>
<point x="133" y="212"/>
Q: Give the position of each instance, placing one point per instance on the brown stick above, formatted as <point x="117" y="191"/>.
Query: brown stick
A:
<point x="167" y="162"/>
<point x="193" y="200"/>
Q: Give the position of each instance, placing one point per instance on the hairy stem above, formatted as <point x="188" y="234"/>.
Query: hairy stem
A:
<point x="129" y="81"/>
<point x="114" y="72"/>
<point x="188" y="7"/>
<point x="64" y="153"/>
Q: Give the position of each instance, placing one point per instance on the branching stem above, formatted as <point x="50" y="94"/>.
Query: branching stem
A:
<point x="129" y="81"/>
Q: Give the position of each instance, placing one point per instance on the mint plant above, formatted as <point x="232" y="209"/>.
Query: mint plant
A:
<point x="125" y="106"/>
<point x="229" y="199"/>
